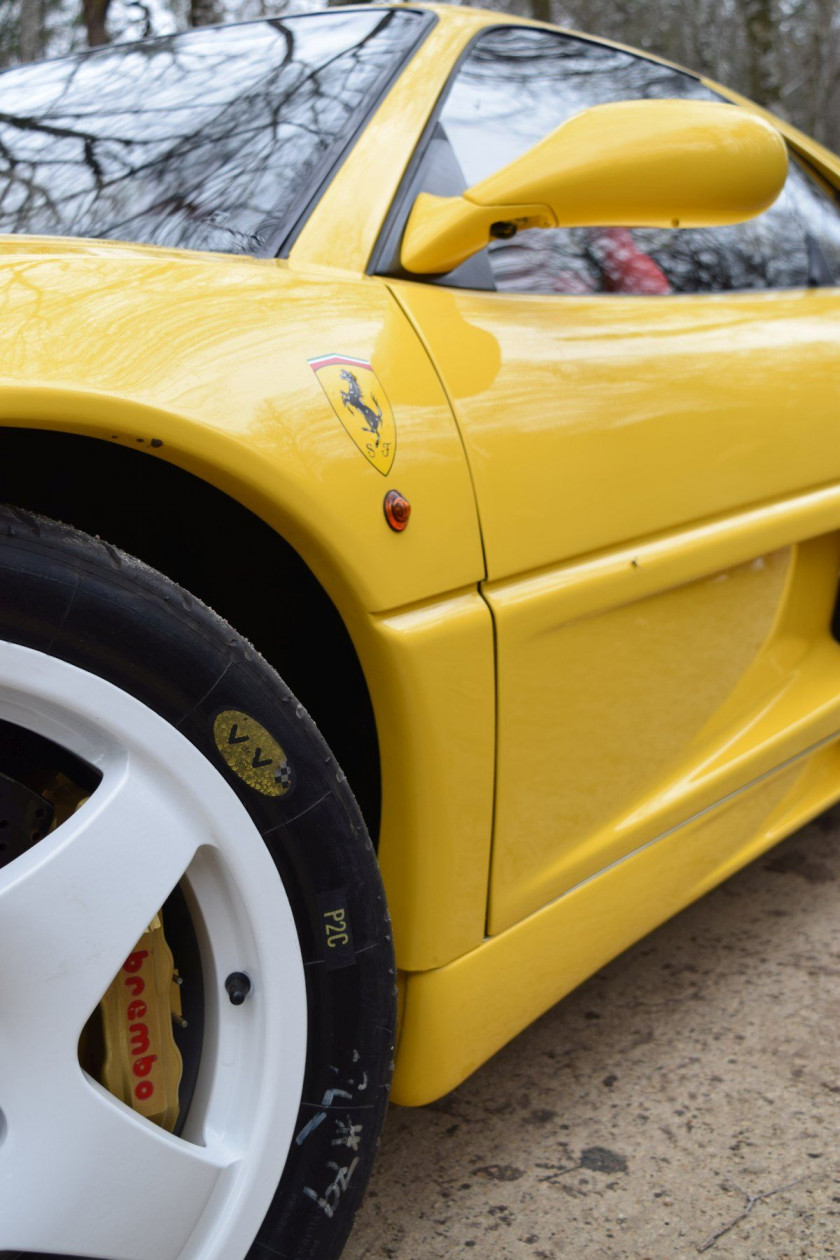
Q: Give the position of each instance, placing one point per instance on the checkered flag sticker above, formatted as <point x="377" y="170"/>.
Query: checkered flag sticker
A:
<point x="283" y="776"/>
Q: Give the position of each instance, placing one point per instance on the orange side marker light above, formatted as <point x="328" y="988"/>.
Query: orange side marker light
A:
<point x="397" y="510"/>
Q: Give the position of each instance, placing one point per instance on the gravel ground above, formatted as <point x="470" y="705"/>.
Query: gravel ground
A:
<point x="683" y="1101"/>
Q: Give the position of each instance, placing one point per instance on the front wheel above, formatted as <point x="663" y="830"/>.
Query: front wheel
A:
<point x="196" y="972"/>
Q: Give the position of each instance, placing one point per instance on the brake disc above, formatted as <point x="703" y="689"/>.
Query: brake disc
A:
<point x="25" y="818"/>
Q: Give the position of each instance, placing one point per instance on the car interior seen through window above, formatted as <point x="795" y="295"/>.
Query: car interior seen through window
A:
<point x="514" y="88"/>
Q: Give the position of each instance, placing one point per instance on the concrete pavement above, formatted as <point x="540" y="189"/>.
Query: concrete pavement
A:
<point x="685" y="1101"/>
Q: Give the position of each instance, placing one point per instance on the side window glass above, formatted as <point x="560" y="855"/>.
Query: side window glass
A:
<point x="818" y="214"/>
<point x="517" y="85"/>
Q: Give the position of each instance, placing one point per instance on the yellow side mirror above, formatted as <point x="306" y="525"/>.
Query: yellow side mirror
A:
<point x="630" y="164"/>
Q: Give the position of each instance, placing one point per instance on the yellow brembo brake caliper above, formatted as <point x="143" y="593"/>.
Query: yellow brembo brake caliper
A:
<point x="136" y="1057"/>
<point x="142" y="1062"/>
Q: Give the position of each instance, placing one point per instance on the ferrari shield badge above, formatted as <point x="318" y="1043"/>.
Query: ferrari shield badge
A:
<point x="359" y="401"/>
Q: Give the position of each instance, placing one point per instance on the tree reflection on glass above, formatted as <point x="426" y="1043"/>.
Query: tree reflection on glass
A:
<point x="208" y="140"/>
<point x="518" y="85"/>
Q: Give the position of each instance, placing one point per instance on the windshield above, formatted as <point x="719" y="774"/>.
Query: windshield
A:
<point x="214" y="139"/>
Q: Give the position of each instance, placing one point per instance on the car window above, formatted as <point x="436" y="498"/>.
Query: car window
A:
<point x="518" y="84"/>
<point x="208" y="140"/>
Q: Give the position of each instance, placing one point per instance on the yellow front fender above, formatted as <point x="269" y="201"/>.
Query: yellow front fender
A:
<point x="204" y="361"/>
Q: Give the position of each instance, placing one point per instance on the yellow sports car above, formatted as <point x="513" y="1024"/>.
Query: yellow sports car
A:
<point x="483" y="381"/>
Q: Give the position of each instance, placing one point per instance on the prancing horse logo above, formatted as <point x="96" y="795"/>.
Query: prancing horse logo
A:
<point x="352" y="398"/>
<point x="358" y="399"/>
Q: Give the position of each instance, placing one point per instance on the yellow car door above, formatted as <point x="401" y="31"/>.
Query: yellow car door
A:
<point x="651" y="422"/>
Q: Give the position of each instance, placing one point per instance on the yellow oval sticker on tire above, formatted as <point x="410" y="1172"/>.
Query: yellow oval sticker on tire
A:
<point x="252" y="754"/>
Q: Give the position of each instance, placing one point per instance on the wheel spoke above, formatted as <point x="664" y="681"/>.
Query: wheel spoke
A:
<point x="82" y="1173"/>
<point x="143" y="1190"/>
<point x="73" y="906"/>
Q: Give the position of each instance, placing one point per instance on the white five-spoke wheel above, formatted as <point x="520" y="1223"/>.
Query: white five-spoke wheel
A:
<point x="71" y="909"/>
<point x="286" y="1087"/>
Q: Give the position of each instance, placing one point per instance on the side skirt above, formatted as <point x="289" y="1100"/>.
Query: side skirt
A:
<point x="457" y="1016"/>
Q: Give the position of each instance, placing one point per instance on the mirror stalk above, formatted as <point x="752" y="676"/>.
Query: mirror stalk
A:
<point x="443" y="232"/>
